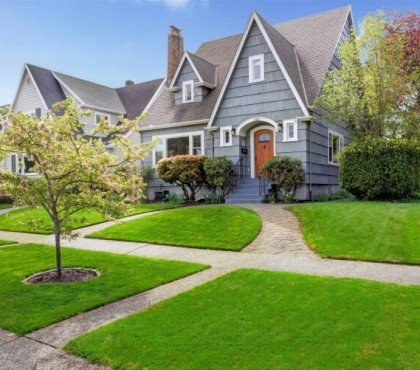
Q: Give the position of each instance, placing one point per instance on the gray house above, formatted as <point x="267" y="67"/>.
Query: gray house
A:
<point x="248" y="96"/>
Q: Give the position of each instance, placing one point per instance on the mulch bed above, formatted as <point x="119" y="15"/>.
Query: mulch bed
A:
<point x="68" y="275"/>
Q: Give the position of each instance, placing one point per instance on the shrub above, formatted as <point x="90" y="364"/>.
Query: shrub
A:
<point x="173" y="198"/>
<point x="286" y="173"/>
<point x="381" y="169"/>
<point x="186" y="171"/>
<point x="217" y="175"/>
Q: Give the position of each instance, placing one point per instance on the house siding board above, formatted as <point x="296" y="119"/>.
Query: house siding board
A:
<point x="186" y="74"/>
<point x="28" y="98"/>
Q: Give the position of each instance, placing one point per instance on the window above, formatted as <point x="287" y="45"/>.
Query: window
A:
<point x="290" y="130"/>
<point x="21" y="164"/>
<point x="226" y="136"/>
<point x="256" y="68"/>
<point x="178" y="144"/>
<point x="188" y="91"/>
<point x="99" y="116"/>
<point x="335" y="147"/>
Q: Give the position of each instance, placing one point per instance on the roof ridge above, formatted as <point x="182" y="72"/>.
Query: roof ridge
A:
<point x="140" y="83"/>
<point x="82" y="79"/>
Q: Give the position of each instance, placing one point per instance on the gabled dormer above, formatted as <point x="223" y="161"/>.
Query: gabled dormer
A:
<point x="193" y="79"/>
<point x="190" y="77"/>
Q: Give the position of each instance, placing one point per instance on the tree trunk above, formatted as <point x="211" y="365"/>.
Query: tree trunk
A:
<point x="57" y="233"/>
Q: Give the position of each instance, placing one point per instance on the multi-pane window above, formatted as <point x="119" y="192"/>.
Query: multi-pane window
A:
<point x="335" y="146"/>
<point x="226" y="136"/>
<point x="188" y="91"/>
<point x="256" y="68"/>
<point x="171" y="145"/>
<point x="290" y="130"/>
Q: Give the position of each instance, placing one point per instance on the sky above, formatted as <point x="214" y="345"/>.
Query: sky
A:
<point x="111" y="41"/>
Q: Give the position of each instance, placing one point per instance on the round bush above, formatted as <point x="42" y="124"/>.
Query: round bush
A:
<point x="287" y="173"/>
<point x="381" y="169"/>
<point x="217" y="175"/>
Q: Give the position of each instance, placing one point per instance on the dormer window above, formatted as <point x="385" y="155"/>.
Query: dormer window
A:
<point x="256" y="68"/>
<point x="188" y="91"/>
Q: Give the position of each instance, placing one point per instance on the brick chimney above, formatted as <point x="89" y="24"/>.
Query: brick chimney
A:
<point x="129" y="83"/>
<point x="175" y="51"/>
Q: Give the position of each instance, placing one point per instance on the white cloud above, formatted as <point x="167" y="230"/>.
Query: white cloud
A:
<point x="173" y="4"/>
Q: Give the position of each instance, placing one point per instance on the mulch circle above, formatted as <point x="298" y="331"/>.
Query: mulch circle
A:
<point x="68" y="275"/>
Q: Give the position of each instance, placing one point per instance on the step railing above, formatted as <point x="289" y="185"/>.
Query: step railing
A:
<point x="263" y="184"/>
<point x="236" y="173"/>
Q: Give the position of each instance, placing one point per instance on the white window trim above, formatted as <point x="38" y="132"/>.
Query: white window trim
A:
<point x="184" y="91"/>
<point x="172" y="136"/>
<point x="108" y="116"/>
<point x="222" y="135"/>
<point x="31" y="112"/>
<point x="286" y="131"/>
<point x="251" y="59"/>
<point x="340" y="146"/>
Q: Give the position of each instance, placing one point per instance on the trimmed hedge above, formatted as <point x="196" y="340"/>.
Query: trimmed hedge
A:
<point x="286" y="173"/>
<point x="381" y="169"/>
<point x="217" y="175"/>
<point x="186" y="171"/>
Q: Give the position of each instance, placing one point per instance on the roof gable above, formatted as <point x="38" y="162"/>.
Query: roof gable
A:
<point x="256" y="19"/>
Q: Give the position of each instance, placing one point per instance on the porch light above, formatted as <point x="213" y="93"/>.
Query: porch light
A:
<point x="233" y="131"/>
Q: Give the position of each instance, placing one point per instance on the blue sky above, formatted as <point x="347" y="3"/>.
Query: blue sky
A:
<point x="110" y="41"/>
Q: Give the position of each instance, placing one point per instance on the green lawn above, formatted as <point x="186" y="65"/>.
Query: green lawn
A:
<point x="17" y="220"/>
<point x="214" y="227"/>
<point x="371" y="231"/>
<point x="6" y="242"/>
<point x="25" y="308"/>
<point x="5" y="206"/>
<point x="254" y="319"/>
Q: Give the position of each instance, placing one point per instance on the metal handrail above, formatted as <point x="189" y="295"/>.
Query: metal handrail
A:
<point x="263" y="183"/>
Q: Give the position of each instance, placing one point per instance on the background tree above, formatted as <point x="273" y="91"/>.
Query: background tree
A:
<point x="74" y="171"/>
<point x="376" y="90"/>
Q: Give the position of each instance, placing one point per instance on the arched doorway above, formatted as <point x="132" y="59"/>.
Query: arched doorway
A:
<point x="262" y="145"/>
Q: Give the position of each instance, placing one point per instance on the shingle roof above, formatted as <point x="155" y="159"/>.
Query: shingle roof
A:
<point x="206" y="70"/>
<point x="48" y="86"/>
<point x="93" y="94"/>
<point x="315" y="38"/>
<point x="164" y="111"/>
<point x="136" y="97"/>
<point x="128" y="99"/>
<point x="305" y="46"/>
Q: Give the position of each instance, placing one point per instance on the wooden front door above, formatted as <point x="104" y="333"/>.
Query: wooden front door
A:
<point x="263" y="148"/>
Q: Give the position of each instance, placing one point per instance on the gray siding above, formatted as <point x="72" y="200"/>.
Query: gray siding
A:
<point x="345" y="35"/>
<point x="186" y="74"/>
<point x="27" y="98"/>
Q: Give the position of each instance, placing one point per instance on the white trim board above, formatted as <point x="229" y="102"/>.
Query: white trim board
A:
<point x="255" y="18"/>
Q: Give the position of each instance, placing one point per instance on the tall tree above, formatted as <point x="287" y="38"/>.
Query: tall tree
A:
<point x="374" y="92"/>
<point x="74" y="170"/>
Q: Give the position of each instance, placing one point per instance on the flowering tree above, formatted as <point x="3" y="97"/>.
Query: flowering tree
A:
<point x="74" y="171"/>
<point x="376" y="90"/>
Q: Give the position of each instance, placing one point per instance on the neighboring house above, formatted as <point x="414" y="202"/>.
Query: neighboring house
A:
<point x="248" y="96"/>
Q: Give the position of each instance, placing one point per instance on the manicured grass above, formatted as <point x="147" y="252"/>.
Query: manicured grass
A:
<point x="254" y="319"/>
<point x="17" y="220"/>
<point x="6" y="242"/>
<point x="371" y="231"/>
<point x="27" y="307"/>
<point x="214" y="227"/>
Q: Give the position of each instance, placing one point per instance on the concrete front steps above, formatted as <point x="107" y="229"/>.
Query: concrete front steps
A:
<point x="246" y="192"/>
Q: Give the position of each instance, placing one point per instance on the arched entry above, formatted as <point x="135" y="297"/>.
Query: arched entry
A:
<point x="262" y="135"/>
<point x="262" y="145"/>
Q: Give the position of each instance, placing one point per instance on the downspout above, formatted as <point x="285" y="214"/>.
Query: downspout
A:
<point x="309" y="119"/>
<point x="212" y="130"/>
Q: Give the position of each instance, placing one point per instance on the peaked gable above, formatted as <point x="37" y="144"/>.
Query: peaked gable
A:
<point x="256" y="20"/>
